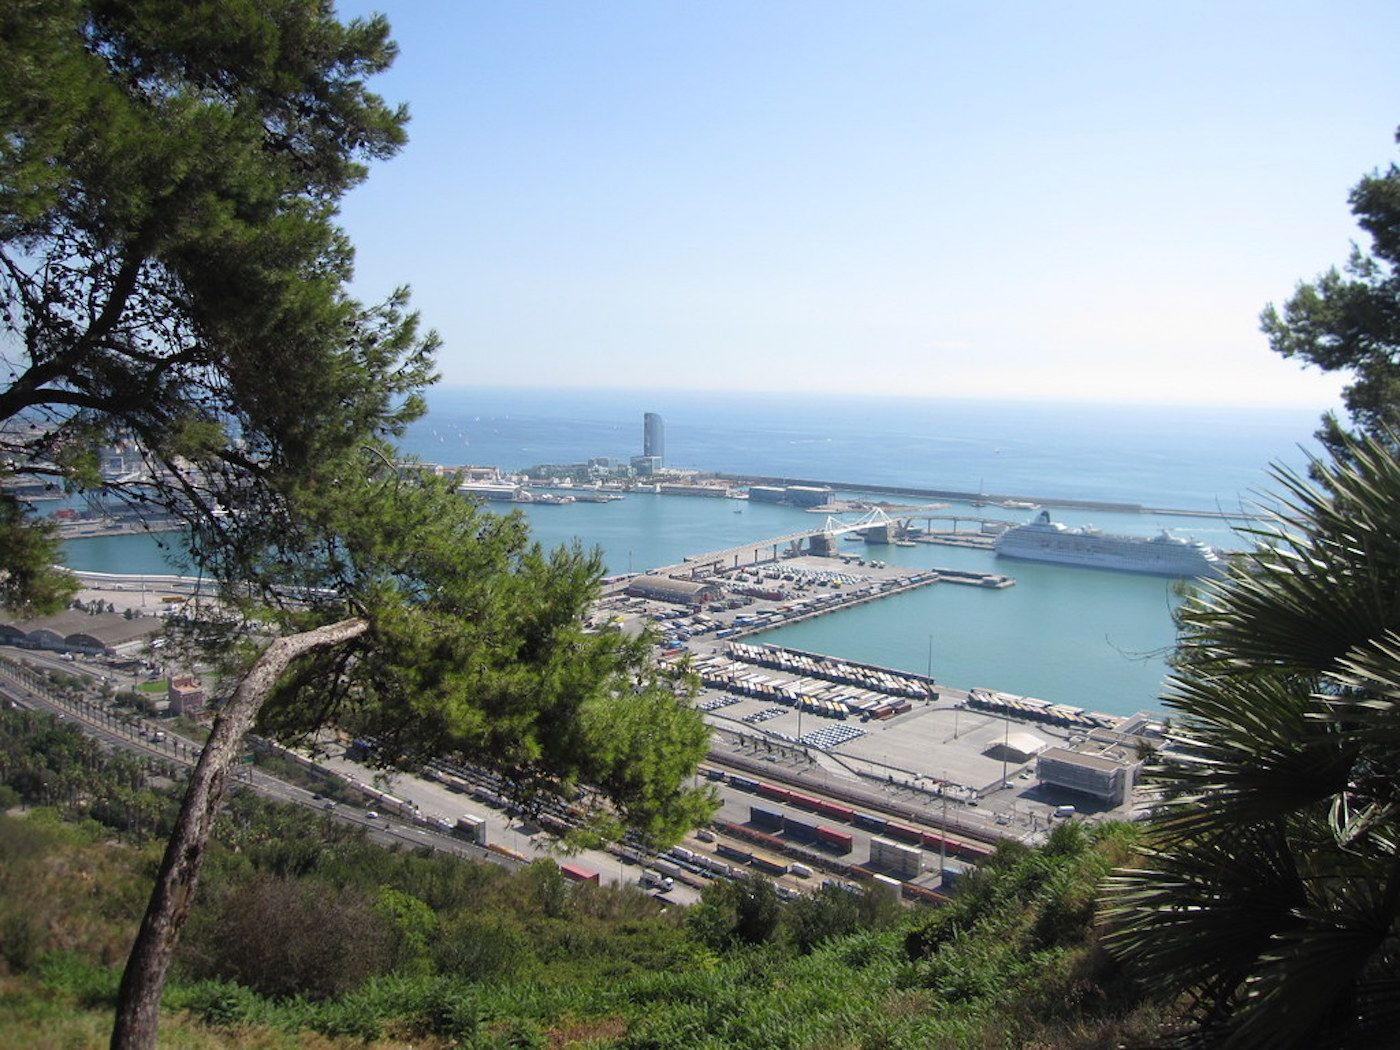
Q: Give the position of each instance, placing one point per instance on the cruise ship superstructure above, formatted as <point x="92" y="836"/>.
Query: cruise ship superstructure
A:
<point x="1160" y="555"/>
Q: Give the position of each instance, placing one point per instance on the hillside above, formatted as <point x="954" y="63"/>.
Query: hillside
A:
<point x="306" y="935"/>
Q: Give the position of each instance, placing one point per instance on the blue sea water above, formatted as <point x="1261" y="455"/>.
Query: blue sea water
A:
<point x="1161" y="455"/>
<point x="1089" y="638"/>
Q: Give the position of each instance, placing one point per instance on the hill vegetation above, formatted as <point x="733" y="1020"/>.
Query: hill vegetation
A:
<point x="307" y="935"/>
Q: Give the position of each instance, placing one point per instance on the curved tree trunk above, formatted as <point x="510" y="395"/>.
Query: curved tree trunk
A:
<point x="138" y="1001"/>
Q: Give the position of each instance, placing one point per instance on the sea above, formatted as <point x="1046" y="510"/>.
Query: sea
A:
<point x="1095" y="639"/>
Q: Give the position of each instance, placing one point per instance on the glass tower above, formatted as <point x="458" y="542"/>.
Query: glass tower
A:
<point x="654" y="436"/>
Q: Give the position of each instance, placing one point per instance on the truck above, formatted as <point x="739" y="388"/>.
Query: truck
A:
<point x="657" y="881"/>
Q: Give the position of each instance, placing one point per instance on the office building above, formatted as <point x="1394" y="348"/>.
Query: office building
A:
<point x="654" y="437"/>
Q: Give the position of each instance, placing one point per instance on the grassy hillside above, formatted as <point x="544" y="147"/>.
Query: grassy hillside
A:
<point x="306" y="935"/>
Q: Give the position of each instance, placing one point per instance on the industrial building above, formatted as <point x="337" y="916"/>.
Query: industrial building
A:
<point x="666" y="589"/>
<point x="76" y="631"/>
<point x="767" y="493"/>
<point x="808" y="495"/>
<point x="493" y="491"/>
<point x="1105" y="776"/>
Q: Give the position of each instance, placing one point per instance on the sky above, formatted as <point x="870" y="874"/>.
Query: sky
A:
<point x="1068" y="200"/>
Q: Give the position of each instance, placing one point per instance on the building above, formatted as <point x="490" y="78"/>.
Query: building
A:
<point x="1017" y="747"/>
<point x="666" y="589"/>
<point x="492" y="491"/>
<point x="77" y="631"/>
<point x="654" y="437"/>
<point x="767" y="493"/>
<point x="1106" y="775"/>
<point x="808" y="495"/>
<point x="186" y="695"/>
<point x="677" y="488"/>
<point x="646" y="464"/>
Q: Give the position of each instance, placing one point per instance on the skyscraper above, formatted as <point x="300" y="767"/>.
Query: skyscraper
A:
<point x="654" y="437"/>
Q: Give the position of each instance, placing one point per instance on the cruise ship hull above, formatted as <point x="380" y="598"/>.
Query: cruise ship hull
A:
<point x="1117" y="563"/>
<point x="1164" y="555"/>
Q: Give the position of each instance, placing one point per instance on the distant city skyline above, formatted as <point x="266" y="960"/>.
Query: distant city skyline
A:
<point x="908" y="199"/>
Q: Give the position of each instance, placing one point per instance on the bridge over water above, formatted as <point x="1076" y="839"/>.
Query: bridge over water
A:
<point x="875" y="525"/>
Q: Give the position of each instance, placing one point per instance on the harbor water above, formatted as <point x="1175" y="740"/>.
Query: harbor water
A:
<point x="1094" y="639"/>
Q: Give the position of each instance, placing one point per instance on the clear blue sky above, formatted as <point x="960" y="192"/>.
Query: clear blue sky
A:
<point x="1065" y="200"/>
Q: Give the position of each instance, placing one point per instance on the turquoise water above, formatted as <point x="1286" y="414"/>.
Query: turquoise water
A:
<point x="1089" y="638"/>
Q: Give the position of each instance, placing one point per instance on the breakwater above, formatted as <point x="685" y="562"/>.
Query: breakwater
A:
<point x="978" y="498"/>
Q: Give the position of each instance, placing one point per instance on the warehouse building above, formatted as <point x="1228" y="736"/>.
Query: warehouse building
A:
<point x="665" y="589"/>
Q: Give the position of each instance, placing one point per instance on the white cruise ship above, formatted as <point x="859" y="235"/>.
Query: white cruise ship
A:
<point x="1160" y="555"/>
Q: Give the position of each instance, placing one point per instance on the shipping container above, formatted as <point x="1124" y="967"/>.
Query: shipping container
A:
<point x="804" y="802"/>
<point x="840" y="841"/>
<point x="835" y="810"/>
<point x="768" y="819"/>
<point x="799" y="829"/>
<point x="868" y="821"/>
<point x="904" y="861"/>
<point x="904" y="833"/>
<point x="772" y="791"/>
<point x="893" y="885"/>
<point x="578" y="873"/>
<point x="933" y="840"/>
<point x="924" y="894"/>
<point x="974" y="851"/>
<point x="769" y="865"/>
<point x="471" y="828"/>
<point x="733" y="852"/>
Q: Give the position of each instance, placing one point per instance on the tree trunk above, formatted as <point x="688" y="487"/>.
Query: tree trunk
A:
<point x="138" y="1001"/>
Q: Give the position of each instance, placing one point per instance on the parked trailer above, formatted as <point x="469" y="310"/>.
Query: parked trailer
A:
<point x="838" y="840"/>
<point x="578" y="873"/>
<point x="505" y="851"/>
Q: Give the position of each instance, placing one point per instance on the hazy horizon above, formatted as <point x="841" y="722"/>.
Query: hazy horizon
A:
<point x="1088" y="203"/>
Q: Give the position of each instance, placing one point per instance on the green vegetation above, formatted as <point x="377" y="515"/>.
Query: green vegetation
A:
<point x="307" y="930"/>
<point x="1269" y="892"/>
<point x="173" y="277"/>
<point x="1351" y="323"/>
